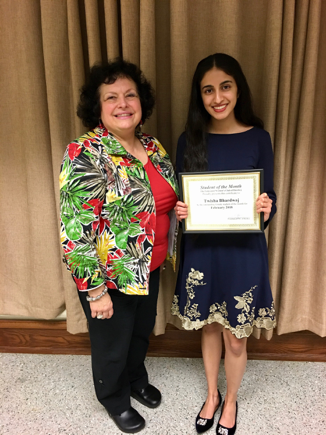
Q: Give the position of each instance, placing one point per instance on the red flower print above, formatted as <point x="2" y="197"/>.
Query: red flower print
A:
<point x="110" y="284"/>
<point x="115" y="256"/>
<point x="74" y="150"/>
<point x="81" y="283"/>
<point x="70" y="246"/>
<point x="119" y="253"/>
<point x="151" y="147"/>
<point x="111" y="275"/>
<point x="125" y="162"/>
<point x="87" y="144"/>
<point x="148" y="222"/>
<point x="159" y="169"/>
<point x="140" y="239"/>
<point x="103" y="222"/>
<point x="143" y="217"/>
<point x="96" y="203"/>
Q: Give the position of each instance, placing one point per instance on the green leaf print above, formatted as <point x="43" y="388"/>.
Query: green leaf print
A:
<point x="116" y="229"/>
<point x="121" y="211"/>
<point x="121" y="235"/>
<point x="85" y="217"/>
<point x="134" y="229"/>
<point x="121" y="239"/>
<point x="72" y="221"/>
<point x="74" y="229"/>
<point x="97" y="281"/>
<point x="138" y="172"/>
<point x="82" y="264"/>
<point x="121" y="270"/>
<point x="73" y="195"/>
<point x="123" y="232"/>
<point x="112" y="146"/>
<point x="125" y="278"/>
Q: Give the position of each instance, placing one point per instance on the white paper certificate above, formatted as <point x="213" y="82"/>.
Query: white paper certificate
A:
<point x="222" y="201"/>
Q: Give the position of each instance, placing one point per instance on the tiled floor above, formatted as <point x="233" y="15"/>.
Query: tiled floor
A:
<point x="53" y="394"/>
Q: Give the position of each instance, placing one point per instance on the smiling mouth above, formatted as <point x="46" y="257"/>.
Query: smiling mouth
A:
<point x="220" y="108"/>
<point x="123" y="115"/>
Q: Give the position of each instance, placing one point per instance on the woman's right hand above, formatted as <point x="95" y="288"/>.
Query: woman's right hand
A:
<point x="181" y="210"/>
<point x="102" y="306"/>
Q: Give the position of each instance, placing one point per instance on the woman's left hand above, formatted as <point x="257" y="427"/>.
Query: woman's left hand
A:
<point x="181" y="210"/>
<point x="102" y="307"/>
<point x="264" y="205"/>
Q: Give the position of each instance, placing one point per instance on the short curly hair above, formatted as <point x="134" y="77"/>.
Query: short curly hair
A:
<point x="89" y="106"/>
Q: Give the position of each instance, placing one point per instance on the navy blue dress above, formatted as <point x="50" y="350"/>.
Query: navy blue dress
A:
<point x="224" y="277"/>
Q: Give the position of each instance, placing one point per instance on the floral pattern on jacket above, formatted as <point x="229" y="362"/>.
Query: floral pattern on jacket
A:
<point x="108" y="214"/>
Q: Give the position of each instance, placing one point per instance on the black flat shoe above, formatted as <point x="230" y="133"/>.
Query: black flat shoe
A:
<point x="148" y="396"/>
<point x="129" y="421"/>
<point x="222" y="430"/>
<point x="203" y="424"/>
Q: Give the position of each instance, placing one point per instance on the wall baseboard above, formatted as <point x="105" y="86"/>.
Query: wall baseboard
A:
<point x="51" y="337"/>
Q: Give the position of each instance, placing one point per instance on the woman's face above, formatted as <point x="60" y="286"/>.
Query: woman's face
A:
<point x="120" y="106"/>
<point x="219" y="92"/>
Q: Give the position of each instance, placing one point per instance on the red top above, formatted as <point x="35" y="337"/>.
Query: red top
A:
<point x="165" y="199"/>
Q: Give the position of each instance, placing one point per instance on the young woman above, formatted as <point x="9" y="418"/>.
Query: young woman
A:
<point x="223" y="285"/>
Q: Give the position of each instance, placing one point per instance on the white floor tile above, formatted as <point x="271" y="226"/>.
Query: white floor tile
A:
<point x="54" y="395"/>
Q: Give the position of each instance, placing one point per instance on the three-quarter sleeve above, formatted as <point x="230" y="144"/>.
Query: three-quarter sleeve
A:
<point x="266" y="162"/>
<point x="82" y="193"/>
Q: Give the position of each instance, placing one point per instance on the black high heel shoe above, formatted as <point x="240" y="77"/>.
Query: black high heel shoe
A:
<point x="203" y="424"/>
<point x="222" y="430"/>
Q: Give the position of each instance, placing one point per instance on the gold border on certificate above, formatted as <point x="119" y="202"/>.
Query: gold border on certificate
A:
<point x="222" y="190"/>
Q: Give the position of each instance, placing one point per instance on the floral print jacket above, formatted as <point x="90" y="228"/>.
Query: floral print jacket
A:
<point x="108" y="212"/>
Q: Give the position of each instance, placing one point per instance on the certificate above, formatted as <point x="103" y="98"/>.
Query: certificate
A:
<point x="223" y="201"/>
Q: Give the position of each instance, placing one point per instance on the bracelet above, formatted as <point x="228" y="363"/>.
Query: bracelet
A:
<point x="96" y="298"/>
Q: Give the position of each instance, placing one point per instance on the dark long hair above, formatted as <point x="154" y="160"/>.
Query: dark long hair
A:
<point x="195" y="157"/>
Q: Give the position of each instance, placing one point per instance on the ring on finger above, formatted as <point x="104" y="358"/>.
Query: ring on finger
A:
<point x="99" y="316"/>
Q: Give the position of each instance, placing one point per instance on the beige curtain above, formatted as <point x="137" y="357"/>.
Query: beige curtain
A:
<point x="47" y="47"/>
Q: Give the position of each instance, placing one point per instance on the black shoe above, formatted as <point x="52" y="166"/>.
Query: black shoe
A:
<point x="129" y="421"/>
<point x="148" y="396"/>
<point x="222" y="430"/>
<point x="203" y="424"/>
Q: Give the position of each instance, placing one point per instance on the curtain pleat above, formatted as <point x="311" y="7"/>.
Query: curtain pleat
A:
<point x="163" y="76"/>
<point x="130" y="30"/>
<point x="299" y="276"/>
<point x="77" y="63"/>
<point x="277" y="231"/>
<point x="112" y="27"/>
<point x="180" y="70"/>
<point x="93" y="31"/>
<point x="47" y="48"/>
<point x="148" y="52"/>
<point x="30" y="255"/>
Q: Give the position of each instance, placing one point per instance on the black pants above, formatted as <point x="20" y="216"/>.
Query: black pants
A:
<point x="119" y="345"/>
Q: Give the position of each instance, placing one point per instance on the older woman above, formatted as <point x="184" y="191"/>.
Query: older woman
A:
<point x="117" y="187"/>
